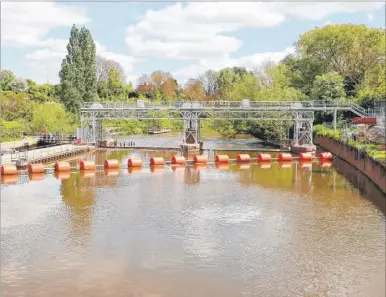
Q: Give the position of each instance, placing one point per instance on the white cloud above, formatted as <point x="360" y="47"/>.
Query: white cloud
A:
<point x="46" y="62"/>
<point x="370" y="17"/>
<point x="27" y="23"/>
<point x="201" y="30"/>
<point x="250" y="62"/>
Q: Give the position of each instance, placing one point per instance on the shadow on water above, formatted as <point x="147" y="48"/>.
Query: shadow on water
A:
<point x="362" y="183"/>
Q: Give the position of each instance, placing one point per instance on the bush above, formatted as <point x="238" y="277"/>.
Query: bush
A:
<point x="11" y="130"/>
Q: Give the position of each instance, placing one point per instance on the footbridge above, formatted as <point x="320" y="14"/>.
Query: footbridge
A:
<point x="192" y="112"/>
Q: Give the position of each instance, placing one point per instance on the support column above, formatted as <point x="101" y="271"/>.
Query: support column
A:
<point x="303" y="141"/>
<point x="334" y="120"/>
<point x="191" y="136"/>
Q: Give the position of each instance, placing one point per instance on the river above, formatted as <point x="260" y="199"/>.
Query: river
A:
<point x="237" y="230"/>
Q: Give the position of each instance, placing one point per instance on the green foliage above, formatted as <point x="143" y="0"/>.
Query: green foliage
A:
<point x="78" y="72"/>
<point x="52" y="116"/>
<point x="15" y="106"/>
<point x="41" y="93"/>
<point x="6" y="78"/>
<point x="11" y="130"/>
<point x="328" y="87"/>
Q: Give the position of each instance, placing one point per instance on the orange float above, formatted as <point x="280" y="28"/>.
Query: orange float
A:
<point x="134" y="163"/>
<point x="157" y="161"/>
<point x="243" y="158"/>
<point x="200" y="159"/>
<point x="87" y="165"/>
<point x="222" y="166"/>
<point x="305" y="156"/>
<point x="285" y="157"/>
<point x="222" y="159"/>
<point x="111" y="163"/>
<point x="178" y="160"/>
<point x="36" y="176"/>
<point x="36" y="168"/>
<point x="62" y="167"/>
<point x="8" y="169"/>
<point x="325" y="156"/>
<point x="264" y="157"/>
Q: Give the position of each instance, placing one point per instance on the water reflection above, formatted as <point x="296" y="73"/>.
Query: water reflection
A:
<point x="185" y="231"/>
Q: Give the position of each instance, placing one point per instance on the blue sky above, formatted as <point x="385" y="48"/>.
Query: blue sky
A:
<point x="183" y="38"/>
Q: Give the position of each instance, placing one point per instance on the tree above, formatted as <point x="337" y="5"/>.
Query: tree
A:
<point x="78" y="72"/>
<point x="328" y="87"/>
<point x="169" y="88"/>
<point x="115" y="84"/>
<point x="19" y="85"/>
<point x="193" y="90"/>
<point x="144" y="79"/>
<point x="209" y="83"/>
<point x="159" y="77"/>
<point x="103" y="67"/>
<point x="15" y="106"/>
<point x="350" y="50"/>
<point x="6" y="78"/>
<point x="87" y="45"/>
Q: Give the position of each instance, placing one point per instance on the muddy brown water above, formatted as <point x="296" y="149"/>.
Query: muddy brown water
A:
<point x="230" y="230"/>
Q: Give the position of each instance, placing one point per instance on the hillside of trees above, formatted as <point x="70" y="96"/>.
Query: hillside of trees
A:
<point x="335" y="62"/>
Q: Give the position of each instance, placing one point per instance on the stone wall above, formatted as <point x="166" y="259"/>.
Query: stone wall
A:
<point x="368" y="166"/>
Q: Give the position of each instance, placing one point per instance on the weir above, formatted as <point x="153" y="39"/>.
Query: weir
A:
<point x="301" y="113"/>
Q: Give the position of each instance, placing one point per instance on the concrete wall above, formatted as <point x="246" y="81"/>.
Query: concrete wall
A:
<point x="372" y="169"/>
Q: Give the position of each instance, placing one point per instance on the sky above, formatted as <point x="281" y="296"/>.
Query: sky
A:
<point x="185" y="39"/>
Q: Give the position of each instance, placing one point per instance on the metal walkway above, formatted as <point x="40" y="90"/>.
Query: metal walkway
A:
<point x="300" y="112"/>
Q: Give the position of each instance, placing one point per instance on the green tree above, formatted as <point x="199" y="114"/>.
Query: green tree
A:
<point x="52" y="116"/>
<point x="15" y="106"/>
<point x="328" y="87"/>
<point x="78" y="72"/>
<point x="6" y="78"/>
<point x="350" y="50"/>
<point x="115" y="85"/>
<point x="19" y="85"/>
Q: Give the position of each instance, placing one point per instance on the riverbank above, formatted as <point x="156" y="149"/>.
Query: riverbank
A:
<point x="370" y="167"/>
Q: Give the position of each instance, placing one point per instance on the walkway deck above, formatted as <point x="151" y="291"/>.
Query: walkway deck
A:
<point x="45" y="155"/>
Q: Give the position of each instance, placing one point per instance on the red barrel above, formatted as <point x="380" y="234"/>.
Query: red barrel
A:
<point x="305" y="156"/>
<point x="8" y="169"/>
<point x="87" y="165"/>
<point x="243" y="158"/>
<point x="325" y="156"/>
<point x="134" y="163"/>
<point x="112" y="163"/>
<point x="178" y="160"/>
<point x="157" y="161"/>
<point x="36" y="168"/>
<point x="200" y="159"/>
<point x="222" y="159"/>
<point x="62" y="167"/>
<point x="285" y="157"/>
<point x="264" y="157"/>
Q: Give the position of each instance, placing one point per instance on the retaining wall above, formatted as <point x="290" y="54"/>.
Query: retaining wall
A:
<point x="374" y="170"/>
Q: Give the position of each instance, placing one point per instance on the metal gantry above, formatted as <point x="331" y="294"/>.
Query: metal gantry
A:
<point x="300" y="112"/>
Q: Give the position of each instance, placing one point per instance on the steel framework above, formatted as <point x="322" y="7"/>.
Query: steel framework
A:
<point x="300" y="112"/>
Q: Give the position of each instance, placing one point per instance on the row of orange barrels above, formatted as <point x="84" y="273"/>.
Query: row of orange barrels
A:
<point x="159" y="161"/>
